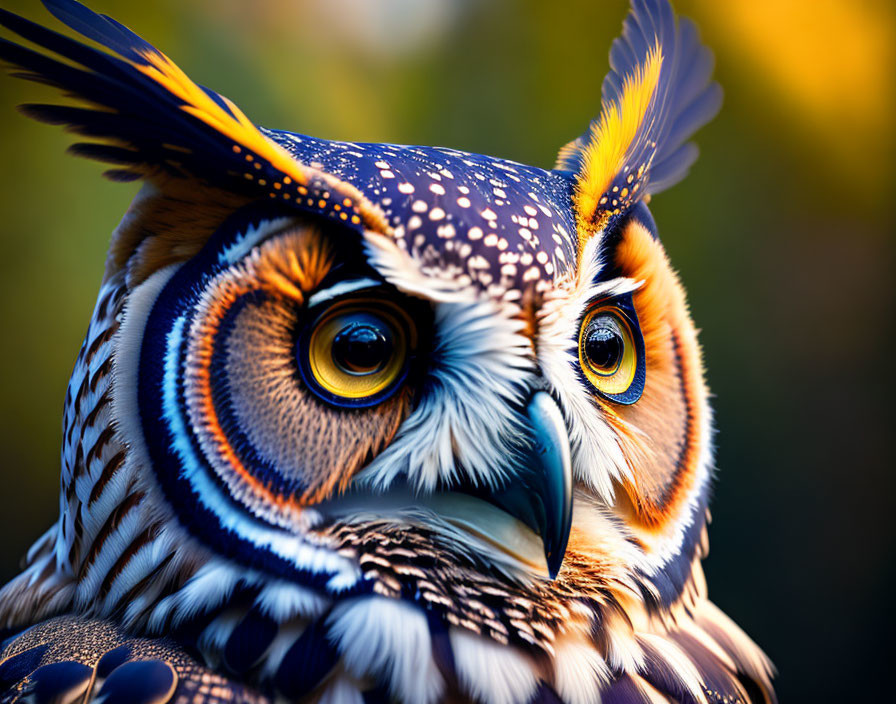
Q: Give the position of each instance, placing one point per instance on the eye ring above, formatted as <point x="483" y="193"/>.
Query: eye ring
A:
<point x="611" y="351"/>
<point x="356" y="352"/>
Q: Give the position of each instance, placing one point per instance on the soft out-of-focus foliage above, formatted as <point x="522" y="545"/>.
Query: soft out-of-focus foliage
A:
<point x="783" y="234"/>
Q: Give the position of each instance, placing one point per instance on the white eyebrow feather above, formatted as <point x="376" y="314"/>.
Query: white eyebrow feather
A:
<point x="613" y="287"/>
<point x="341" y="289"/>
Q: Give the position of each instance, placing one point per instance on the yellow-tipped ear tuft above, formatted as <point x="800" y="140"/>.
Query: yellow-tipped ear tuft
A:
<point x="611" y="139"/>
<point x="229" y="121"/>
<point x="657" y="93"/>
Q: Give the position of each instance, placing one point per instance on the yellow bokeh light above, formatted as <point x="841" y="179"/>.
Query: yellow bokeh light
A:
<point x="829" y="65"/>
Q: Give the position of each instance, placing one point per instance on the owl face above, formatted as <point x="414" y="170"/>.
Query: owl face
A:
<point x="333" y="387"/>
<point x="469" y="370"/>
<point x="311" y="373"/>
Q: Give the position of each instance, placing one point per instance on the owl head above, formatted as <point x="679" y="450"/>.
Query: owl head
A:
<point x="403" y="395"/>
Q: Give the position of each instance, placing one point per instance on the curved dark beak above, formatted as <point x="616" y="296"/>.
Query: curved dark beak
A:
<point x="540" y="493"/>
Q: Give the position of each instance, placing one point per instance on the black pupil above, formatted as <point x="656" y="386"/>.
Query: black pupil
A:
<point x="362" y="347"/>
<point x="603" y="345"/>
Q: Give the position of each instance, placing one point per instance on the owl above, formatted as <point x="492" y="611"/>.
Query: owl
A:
<point x="372" y="422"/>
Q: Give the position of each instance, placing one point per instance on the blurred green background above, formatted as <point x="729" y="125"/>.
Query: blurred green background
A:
<point x="783" y="234"/>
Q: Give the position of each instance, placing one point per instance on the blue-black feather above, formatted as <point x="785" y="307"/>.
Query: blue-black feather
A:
<point x="624" y="691"/>
<point x="545" y="694"/>
<point x="58" y="682"/>
<point x="442" y="651"/>
<point x="21" y="665"/>
<point x="714" y="674"/>
<point x="100" y="28"/>
<point x="379" y="694"/>
<point x="248" y="642"/>
<point x="660" y="673"/>
<point x="62" y="45"/>
<point x="126" y="105"/>
<point x="311" y="658"/>
<point x="139" y="682"/>
<point x="112" y="660"/>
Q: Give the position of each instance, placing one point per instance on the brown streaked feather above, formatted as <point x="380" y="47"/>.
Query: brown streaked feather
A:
<point x="167" y="225"/>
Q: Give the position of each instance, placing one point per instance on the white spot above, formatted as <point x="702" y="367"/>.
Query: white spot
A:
<point x="420" y="206"/>
<point x="542" y="257"/>
<point x="463" y="202"/>
<point x="414" y="222"/>
<point x="499" y="192"/>
<point x="406" y="188"/>
<point x="531" y="274"/>
<point x="437" y="188"/>
<point x="491" y="240"/>
<point x="381" y="165"/>
<point x="474" y="233"/>
<point x="436" y="214"/>
<point x="530" y="211"/>
<point x="489" y="214"/>
<point x="385" y="173"/>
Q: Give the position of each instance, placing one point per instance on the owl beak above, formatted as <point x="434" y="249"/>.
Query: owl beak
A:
<point x="540" y="493"/>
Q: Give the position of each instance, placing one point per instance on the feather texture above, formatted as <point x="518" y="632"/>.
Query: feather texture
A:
<point x="656" y="95"/>
<point x="229" y="532"/>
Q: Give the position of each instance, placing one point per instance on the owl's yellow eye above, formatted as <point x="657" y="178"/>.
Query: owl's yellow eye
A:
<point x="611" y="353"/>
<point x="357" y="352"/>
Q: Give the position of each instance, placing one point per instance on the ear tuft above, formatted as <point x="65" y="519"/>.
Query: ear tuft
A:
<point x="656" y="95"/>
<point x="142" y="114"/>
